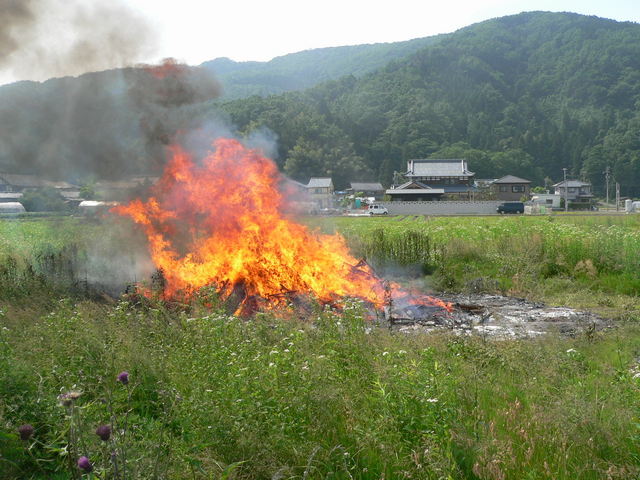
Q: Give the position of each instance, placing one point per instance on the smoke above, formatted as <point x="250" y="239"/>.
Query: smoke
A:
<point x="165" y="96"/>
<point x="48" y="38"/>
<point x="111" y="124"/>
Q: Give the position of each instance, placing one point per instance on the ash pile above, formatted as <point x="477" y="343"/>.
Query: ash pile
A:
<point x="494" y="316"/>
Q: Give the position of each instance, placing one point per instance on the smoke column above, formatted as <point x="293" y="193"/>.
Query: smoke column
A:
<point x="41" y="39"/>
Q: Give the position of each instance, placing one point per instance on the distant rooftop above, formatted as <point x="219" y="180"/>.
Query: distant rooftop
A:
<point x="511" y="179"/>
<point x="434" y="167"/>
<point x="319" y="182"/>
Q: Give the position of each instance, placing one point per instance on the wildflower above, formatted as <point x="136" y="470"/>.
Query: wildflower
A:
<point x="67" y="399"/>
<point x="124" y="378"/>
<point x="85" y="464"/>
<point x="104" y="432"/>
<point x="25" y="432"/>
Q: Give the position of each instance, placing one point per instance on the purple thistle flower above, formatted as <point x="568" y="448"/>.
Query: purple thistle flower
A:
<point x="25" y="432"/>
<point x="85" y="464"/>
<point x="104" y="432"/>
<point x="124" y="378"/>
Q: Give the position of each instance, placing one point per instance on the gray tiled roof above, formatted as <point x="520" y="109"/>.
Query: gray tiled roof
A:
<point x="320" y="182"/>
<point x="25" y="181"/>
<point x="511" y="179"/>
<point x="572" y="183"/>
<point x="437" y="168"/>
<point x="373" y="186"/>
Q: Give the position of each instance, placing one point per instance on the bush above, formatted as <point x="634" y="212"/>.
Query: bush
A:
<point x="44" y="200"/>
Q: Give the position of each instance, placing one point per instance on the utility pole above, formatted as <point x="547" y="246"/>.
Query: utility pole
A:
<point x="617" y="196"/>
<point x="566" y="190"/>
<point x="607" y="176"/>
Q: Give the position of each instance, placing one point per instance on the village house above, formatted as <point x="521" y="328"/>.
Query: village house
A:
<point x="373" y="190"/>
<point x="13" y="185"/>
<point x="320" y="191"/>
<point x="576" y="191"/>
<point x="14" y="182"/>
<point x="414" y="191"/>
<point x="511" y="188"/>
<point x="431" y="179"/>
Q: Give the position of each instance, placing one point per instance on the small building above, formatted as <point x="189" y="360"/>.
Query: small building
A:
<point x="511" y="188"/>
<point x="15" y="182"/>
<point x="576" y="191"/>
<point x="320" y="191"/>
<point x="414" y="191"/>
<point x="367" y="189"/>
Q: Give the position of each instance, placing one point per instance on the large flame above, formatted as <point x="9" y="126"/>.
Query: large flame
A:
<point x="222" y="223"/>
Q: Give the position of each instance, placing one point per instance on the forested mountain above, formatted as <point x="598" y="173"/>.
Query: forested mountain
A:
<point x="527" y="94"/>
<point x="301" y="70"/>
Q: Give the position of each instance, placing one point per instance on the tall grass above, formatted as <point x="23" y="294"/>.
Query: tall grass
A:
<point x="316" y="394"/>
<point x="558" y="258"/>
<point x="313" y="397"/>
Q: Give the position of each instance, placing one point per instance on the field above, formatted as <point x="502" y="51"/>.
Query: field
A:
<point x="321" y="395"/>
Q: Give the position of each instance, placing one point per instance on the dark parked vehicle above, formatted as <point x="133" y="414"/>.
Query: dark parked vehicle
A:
<point x="510" y="207"/>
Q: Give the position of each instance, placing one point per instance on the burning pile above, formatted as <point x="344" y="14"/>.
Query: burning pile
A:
<point x="221" y="223"/>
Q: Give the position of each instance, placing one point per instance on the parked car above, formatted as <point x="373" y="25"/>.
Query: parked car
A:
<point x="376" y="209"/>
<point x="510" y="207"/>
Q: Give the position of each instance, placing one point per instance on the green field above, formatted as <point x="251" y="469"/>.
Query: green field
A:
<point x="322" y="395"/>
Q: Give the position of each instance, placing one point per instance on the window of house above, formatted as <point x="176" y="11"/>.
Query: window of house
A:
<point x="503" y="188"/>
<point x="517" y="189"/>
<point x="572" y="190"/>
<point x="318" y="190"/>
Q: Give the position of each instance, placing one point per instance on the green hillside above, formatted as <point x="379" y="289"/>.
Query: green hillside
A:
<point x="301" y="70"/>
<point x="527" y="94"/>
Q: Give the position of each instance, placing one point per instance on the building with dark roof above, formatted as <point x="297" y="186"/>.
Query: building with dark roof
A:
<point x="511" y="188"/>
<point x="414" y="191"/>
<point x="367" y="189"/>
<point x="450" y="175"/>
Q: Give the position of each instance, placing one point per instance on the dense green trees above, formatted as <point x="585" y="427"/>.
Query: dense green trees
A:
<point x="527" y="95"/>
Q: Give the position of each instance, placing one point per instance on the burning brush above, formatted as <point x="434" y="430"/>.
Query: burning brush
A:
<point x="221" y="223"/>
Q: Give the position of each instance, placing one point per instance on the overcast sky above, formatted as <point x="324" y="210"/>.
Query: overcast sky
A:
<point x="261" y="30"/>
<point x="70" y="37"/>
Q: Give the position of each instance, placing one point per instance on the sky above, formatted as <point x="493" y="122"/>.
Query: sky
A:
<point x="51" y="38"/>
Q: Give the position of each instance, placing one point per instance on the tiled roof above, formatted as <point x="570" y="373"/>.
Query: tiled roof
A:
<point x="511" y="179"/>
<point x="364" y="187"/>
<point x="421" y="189"/>
<point x="24" y="181"/>
<point x="319" y="183"/>
<point x="437" y="168"/>
<point x="572" y="183"/>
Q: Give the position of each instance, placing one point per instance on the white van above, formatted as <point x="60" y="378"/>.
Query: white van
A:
<point x="376" y="209"/>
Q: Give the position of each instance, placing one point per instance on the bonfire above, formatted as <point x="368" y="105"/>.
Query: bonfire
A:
<point x="221" y="222"/>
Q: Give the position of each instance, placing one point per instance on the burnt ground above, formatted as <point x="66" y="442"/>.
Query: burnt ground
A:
<point x="496" y="316"/>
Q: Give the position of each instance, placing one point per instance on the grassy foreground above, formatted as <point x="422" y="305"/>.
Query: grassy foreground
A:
<point x="324" y="396"/>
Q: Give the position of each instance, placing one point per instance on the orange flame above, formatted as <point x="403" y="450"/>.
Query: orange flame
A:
<point x="221" y="223"/>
